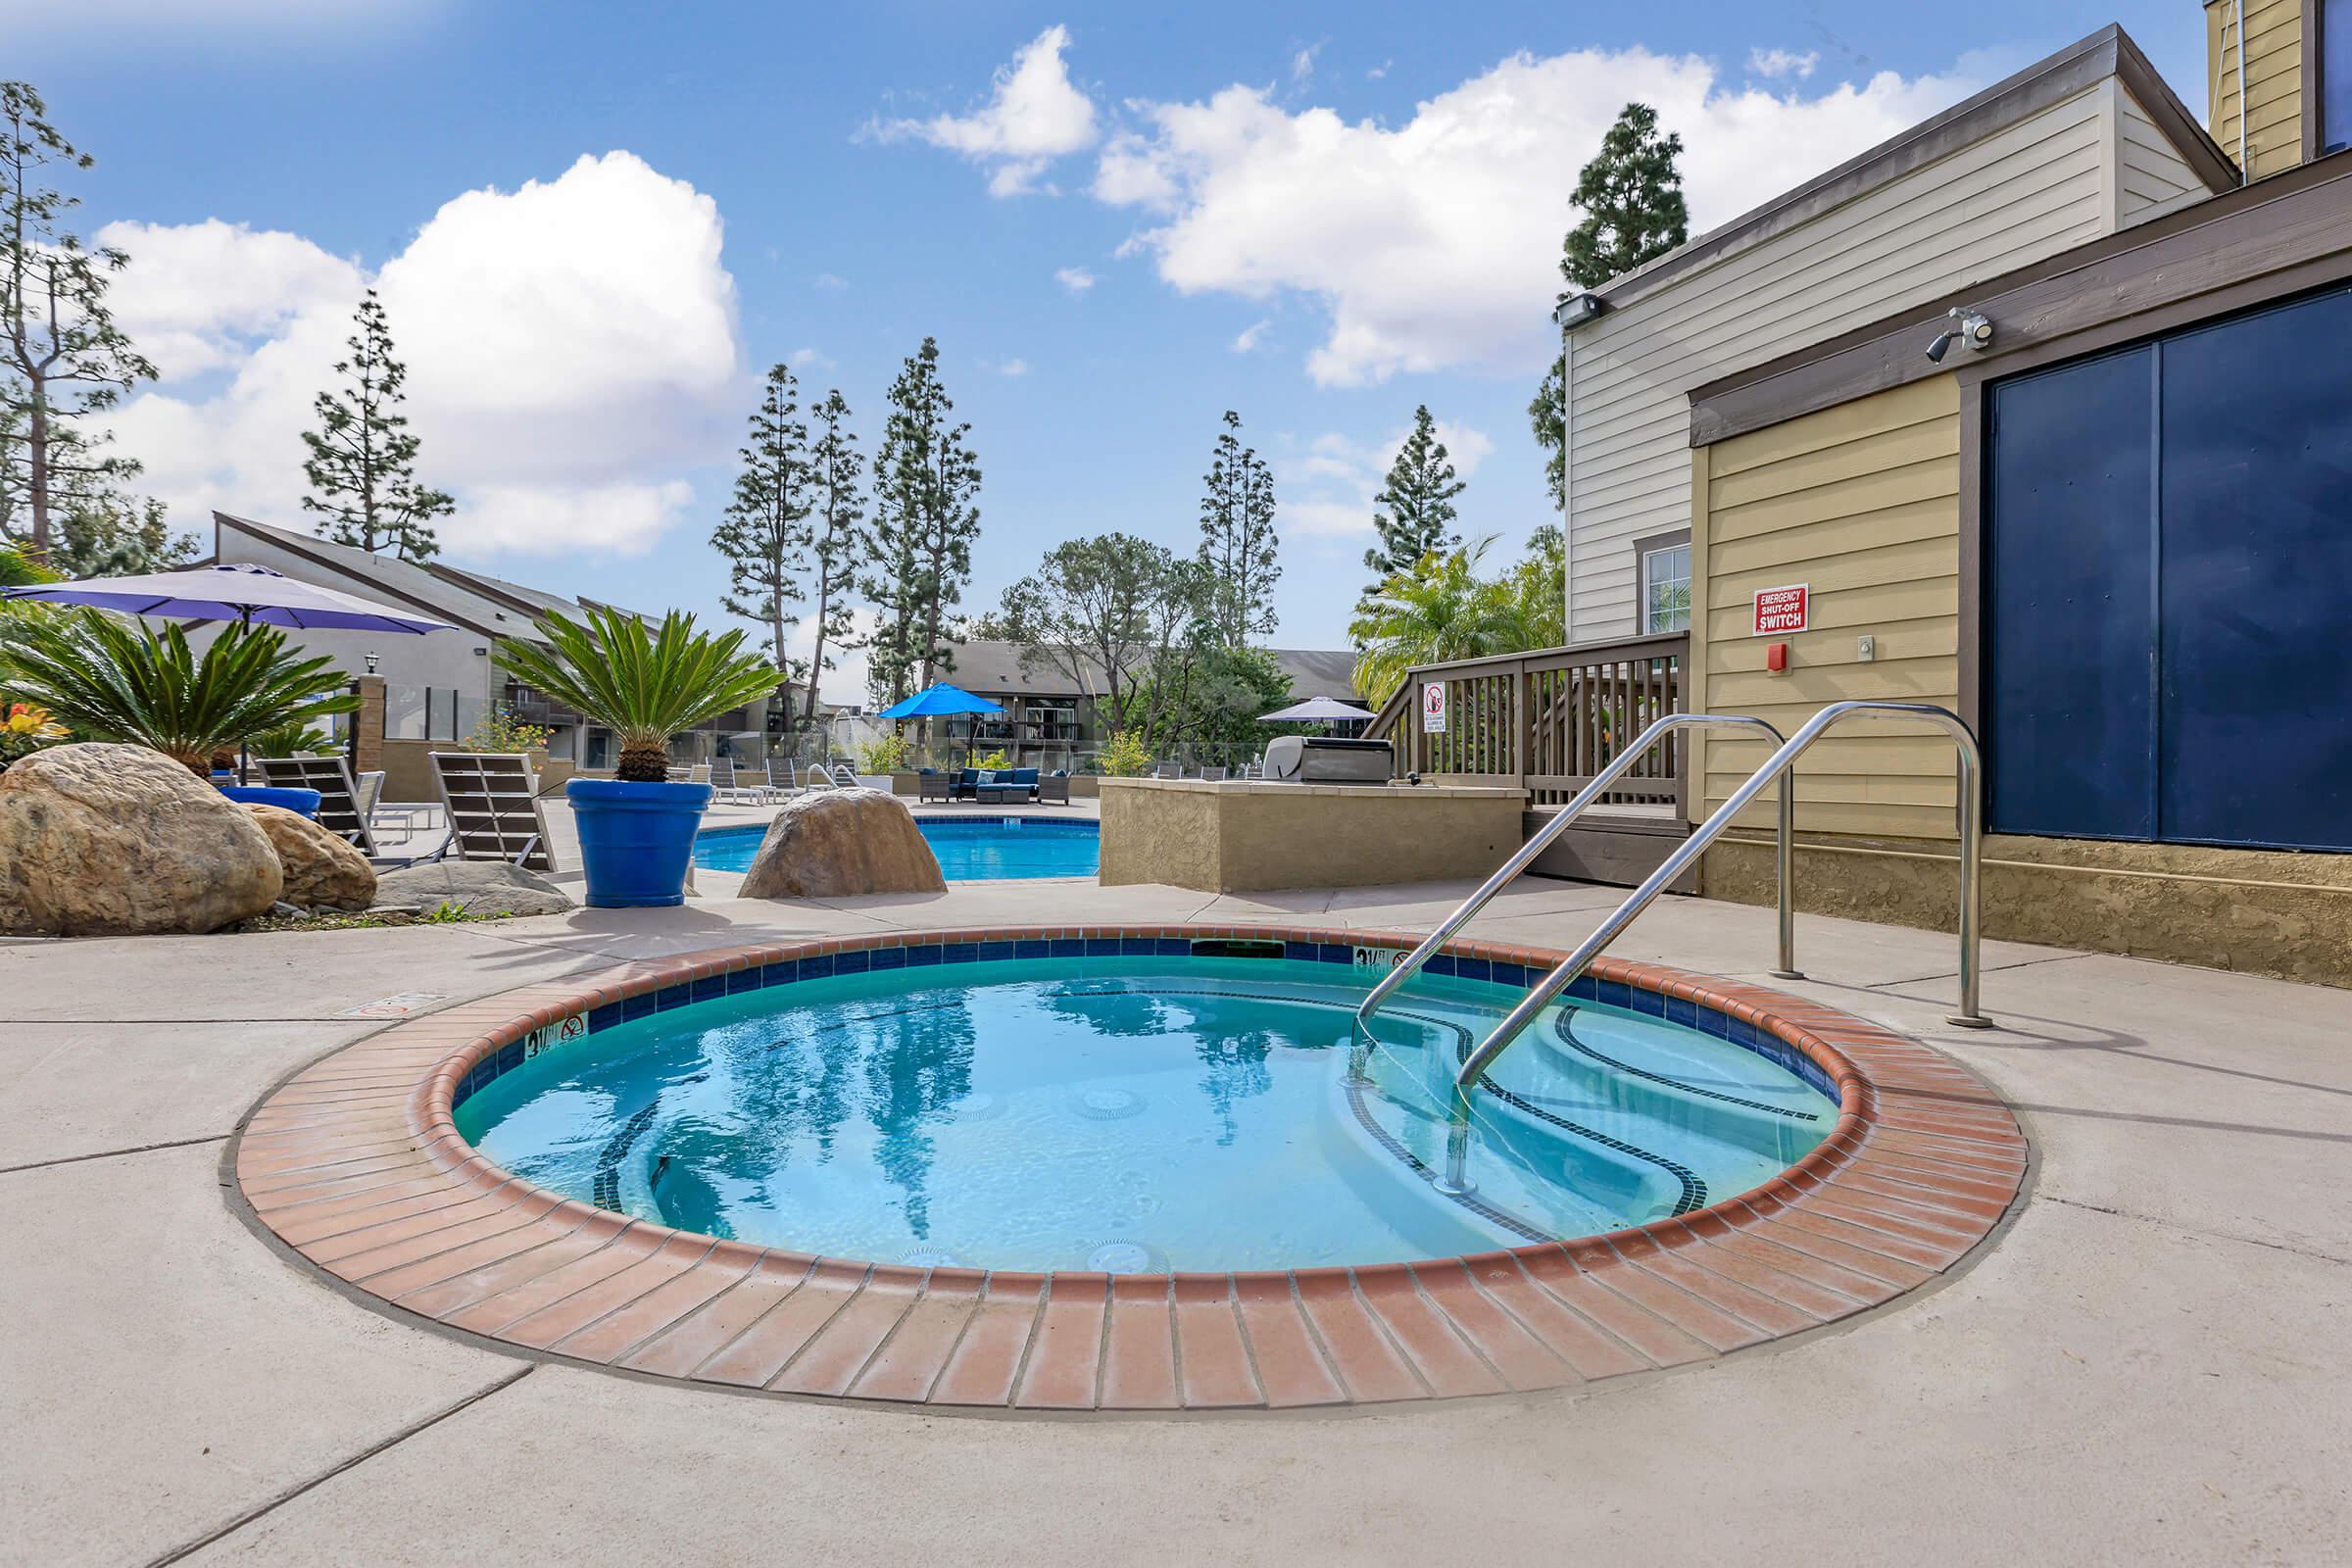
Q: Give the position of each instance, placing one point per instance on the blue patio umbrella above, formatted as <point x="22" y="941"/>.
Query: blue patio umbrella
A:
<point x="937" y="701"/>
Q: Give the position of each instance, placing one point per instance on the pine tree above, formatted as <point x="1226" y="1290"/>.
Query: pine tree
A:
<point x="1632" y="196"/>
<point x="362" y="461"/>
<point x="1416" y="512"/>
<point x="764" y="533"/>
<point x="835" y="535"/>
<point x="1238" y="543"/>
<point x="63" y="358"/>
<point x="926" y="514"/>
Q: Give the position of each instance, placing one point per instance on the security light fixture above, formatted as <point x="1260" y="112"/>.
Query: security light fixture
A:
<point x="1575" y="310"/>
<point x="1970" y="326"/>
<point x="369" y="655"/>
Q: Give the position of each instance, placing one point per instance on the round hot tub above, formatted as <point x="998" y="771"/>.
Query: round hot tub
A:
<point x="1144" y="1168"/>
<point x="1170" y="1105"/>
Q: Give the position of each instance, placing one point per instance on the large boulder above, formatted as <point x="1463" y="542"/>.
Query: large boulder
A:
<point x="475" y="887"/>
<point x="834" y="844"/>
<point x="323" y="870"/>
<point x="120" y="841"/>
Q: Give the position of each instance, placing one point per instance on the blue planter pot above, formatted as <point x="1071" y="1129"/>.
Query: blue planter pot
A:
<point x="636" y="840"/>
<point x="302" y="803"/>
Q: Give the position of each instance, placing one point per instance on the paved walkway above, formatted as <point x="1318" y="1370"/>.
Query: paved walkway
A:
<point x="2149" y="1364"/>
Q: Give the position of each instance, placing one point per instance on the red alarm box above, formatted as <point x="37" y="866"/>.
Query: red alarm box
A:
<point x="1776" y="658"/>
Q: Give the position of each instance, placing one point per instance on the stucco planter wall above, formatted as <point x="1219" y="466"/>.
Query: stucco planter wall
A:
<point x="1239" y="837"/>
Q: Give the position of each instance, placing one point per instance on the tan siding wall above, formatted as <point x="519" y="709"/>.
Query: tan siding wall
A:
<point x="1861" y="502"/>
<point x="2031" y="190"/>
<point x="2273" y="44"/>
<point x="2152" y="178"/>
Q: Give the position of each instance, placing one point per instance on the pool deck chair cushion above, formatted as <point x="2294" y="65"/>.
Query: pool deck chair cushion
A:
<point x="492" y="803"/>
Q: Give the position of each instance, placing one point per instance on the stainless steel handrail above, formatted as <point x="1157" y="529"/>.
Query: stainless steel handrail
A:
<point x="1463" y="911"/>
<point x="1778" y="766"/>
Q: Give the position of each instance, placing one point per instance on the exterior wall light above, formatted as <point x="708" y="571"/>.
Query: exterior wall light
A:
<point x="1575" y="310"/>
<point x="1968" y="326"/>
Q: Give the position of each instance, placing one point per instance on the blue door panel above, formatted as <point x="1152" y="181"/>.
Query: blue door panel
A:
<point x="2255" y="717"/>
<point x="2068" y="693"/>
<point x="2167" y="588"/>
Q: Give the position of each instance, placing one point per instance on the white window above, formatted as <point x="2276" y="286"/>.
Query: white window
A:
<point x="1666" y="589"/>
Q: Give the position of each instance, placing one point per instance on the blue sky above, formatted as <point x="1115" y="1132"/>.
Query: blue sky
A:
<point x="1118" y="221"/>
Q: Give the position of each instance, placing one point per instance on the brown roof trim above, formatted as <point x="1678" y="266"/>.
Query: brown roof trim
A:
<point x="277" y="539"/>
<point x="459" y="578"/>
<point x="2108" y="52"/>
<point x="2298" y="223"/>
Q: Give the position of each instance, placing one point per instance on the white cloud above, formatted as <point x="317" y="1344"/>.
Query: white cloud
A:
<point x="1327" y="487"/>
<point x="1379" y="70"/>
<point x="108" y="19"/>
<point x="1247" y="340"/>
<point x="1434" y="244"/>
<point x="832" y="283"/>
<point x="1077" y="279"/>
<point x="1014" y="368"/>
<point x="1034" y="115"/>
<point x="1302" y="63"/>
<point x="1783" y="62"/>
<point x="195" y="294"/>
<point x="806" y="358"/>
<point x="572" y="345"/>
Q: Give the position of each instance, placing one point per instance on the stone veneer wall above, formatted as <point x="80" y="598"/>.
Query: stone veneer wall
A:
<point x="1253" y="837"/>
<point x="2272" y="912"/>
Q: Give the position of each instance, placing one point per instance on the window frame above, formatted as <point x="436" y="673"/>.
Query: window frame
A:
<point x="1644" y="549"/>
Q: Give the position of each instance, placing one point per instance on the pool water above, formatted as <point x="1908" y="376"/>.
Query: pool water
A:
<point x="977" y="848"/>
<point x="1135" y="1115"/>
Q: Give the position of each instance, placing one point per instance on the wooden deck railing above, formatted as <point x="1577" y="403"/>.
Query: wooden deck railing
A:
<point x="1546" y="721"/>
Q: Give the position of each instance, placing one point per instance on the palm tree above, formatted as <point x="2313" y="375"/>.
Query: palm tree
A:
<point x="644" y="685"/>
<point x="126" y="681"/>
<point x="1440" y="610"/>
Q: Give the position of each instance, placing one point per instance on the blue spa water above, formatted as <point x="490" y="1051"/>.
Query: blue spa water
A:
<point x="984" y="849"/>
<point x="1135" y="1115"/>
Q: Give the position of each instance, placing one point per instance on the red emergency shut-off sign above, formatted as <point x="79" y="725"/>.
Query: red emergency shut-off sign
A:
<point x="1782" y="610"/>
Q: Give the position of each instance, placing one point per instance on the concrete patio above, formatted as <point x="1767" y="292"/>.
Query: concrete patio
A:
<point x="2144" y="1365"/>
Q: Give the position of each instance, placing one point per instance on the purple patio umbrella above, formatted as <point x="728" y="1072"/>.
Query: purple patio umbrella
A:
<point x="239" y="593"/>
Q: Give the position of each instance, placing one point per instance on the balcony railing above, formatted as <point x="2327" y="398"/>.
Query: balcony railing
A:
<point x="1546" y="721"/>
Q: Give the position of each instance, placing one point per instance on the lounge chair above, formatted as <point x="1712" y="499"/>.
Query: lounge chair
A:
<point x="1214" y="775"/>
<point x="1167" y="770"/>
<point x="779" y="778"/>
<point x="933" y="785"/>
<point x="726" y="787"/>
<point x="492" y="803"/>
<point x="340" y="809"/>
<point x="1054" y="788"/>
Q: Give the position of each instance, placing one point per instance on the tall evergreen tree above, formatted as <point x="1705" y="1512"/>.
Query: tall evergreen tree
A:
<point x="765" y="532"/>
<point x="1238" y="543"/>
<point x="926" y="514"/>
<point x="63" y="360"/>
<point x="837" y="530"/>
<point x="1415" y="509"/>
<point x="1632" y="196"/>
<point x="362" y="461"/>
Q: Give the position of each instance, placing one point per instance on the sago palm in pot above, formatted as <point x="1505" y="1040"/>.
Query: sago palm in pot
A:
<point x="645" y="685"/>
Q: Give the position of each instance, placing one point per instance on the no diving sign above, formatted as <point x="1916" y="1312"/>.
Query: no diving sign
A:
<point x="1782" y="610"/>
<point x="1433" y="708"/>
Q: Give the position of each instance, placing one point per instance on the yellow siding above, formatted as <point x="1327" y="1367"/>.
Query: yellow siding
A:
<point x="2273" y="50"/>
<point x="1861" y="503"/>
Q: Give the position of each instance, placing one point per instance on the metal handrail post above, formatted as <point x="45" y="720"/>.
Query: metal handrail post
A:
<point x="1778" y="766"/>
<point x="1551" y="830"/>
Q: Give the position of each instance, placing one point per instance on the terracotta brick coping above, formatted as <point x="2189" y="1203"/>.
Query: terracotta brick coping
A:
<point x="356" y="1164"/>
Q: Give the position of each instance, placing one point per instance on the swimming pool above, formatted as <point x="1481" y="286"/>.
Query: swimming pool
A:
<point x="970" y="848"/>
<point x="1043" y="1106"/>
